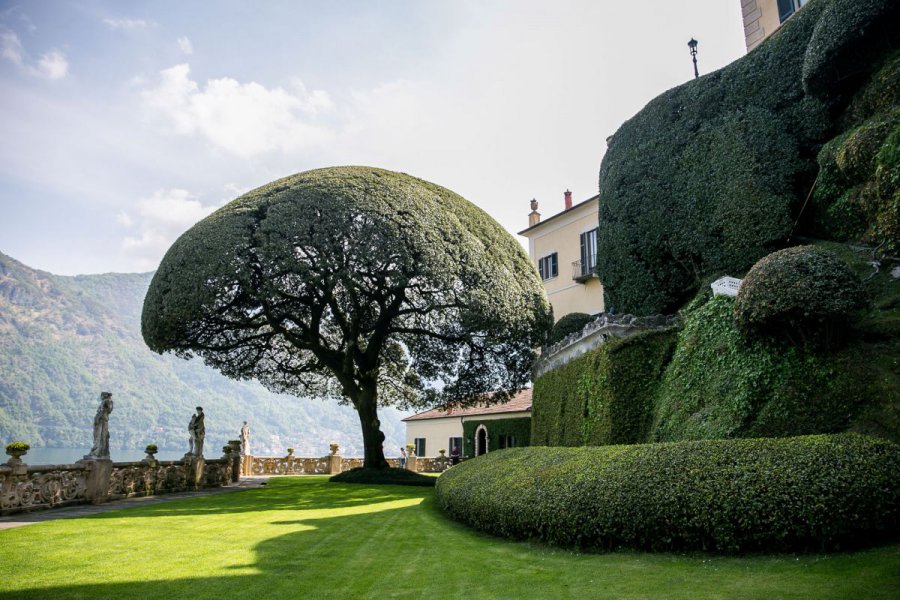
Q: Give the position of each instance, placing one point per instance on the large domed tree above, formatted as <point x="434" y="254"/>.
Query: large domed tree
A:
<point x="357" y="284"/>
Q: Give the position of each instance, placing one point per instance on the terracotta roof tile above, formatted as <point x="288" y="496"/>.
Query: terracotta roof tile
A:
<point x="519" y="402"/>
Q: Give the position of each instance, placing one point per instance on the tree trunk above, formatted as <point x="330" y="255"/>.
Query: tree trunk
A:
<point x="373" y="439"/>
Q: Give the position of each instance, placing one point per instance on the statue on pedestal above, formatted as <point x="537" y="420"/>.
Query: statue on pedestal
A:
<point x="100" y="448"/>
<point x="245" y="439"/>
<point x="197" y="431"/>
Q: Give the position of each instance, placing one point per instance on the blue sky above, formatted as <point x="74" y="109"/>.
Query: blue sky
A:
<point x="123" y="123"/>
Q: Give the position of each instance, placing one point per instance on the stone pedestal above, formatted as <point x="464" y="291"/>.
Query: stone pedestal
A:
<point x="412" y="462"/>
<point x="246" y="465"/>
<point x="194" y="467"/>
<point x="96" y="488"/>
<point x="334" y="464"/>
<point x="236" y="464"/>
<point x="18" y="467"/>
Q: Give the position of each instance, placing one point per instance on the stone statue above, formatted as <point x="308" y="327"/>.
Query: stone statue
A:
<point x="245" y="439"/>
<point x="101" y="427"/>
<point x="197" y="430"/>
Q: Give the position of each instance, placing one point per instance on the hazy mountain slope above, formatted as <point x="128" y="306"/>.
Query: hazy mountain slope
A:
<point x="64" y="339"/>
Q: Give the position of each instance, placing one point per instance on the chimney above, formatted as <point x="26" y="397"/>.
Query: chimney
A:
<point x="534" y="217"/>
<point x="568" y="199"/>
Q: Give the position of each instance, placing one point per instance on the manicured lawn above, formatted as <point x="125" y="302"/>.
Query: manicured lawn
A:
<point x="307" y="538"/>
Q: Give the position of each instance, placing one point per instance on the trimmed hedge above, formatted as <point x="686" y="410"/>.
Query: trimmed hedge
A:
<point x="569" y="323"/>
<point x="857" y="193"/>
<point x="816" y="493"/>
<point x="603" y="397"/>
<point x="520" y="428"/>
<point x="709" y="176"/>
<point x="802" y="291"/>
<point x="389" y="476"/>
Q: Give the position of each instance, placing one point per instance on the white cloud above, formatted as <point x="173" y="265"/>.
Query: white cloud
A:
<point x="53" y="65"/>
<point x="244" y="119"/>
<point x="185" y="45"/>
<point x="125" y="24"/>
<point x="160" y="219"/>
<point x="12" y="48"/>
<point x="50" y="65"/>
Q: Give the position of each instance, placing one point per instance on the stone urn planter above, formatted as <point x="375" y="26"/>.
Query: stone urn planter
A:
<point x="334" y="448"/>
<point x="17" y="450"/>
<point x="290" y="453"/>
<point x="151" y="451"/>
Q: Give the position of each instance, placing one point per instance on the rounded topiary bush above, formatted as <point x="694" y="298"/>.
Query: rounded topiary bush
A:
<point x="788" y="494"/>
<point x="383" y="476"/>
<point x="569" y="324"/>
<point x="803" y="290"/>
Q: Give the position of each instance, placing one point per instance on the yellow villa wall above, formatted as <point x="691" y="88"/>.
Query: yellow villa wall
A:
<point x="562" y="234"/>
<point x="760" y="20"/>
<point x="437" y="432"/>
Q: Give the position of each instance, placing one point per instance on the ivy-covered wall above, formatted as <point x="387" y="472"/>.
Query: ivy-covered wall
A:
<point x="603" y="397"/>
<point x="519" y="427"/>
<point x="721" y="386"/>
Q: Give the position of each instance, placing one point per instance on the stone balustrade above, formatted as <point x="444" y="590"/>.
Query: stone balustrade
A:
<point x="35" y="487"/>
<point x="594" y="334"/>
<point x="327" y="465"/>
<point x="41" y="486"/>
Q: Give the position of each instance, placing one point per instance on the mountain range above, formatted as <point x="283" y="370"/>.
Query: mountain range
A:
<point x="65" y="339"/>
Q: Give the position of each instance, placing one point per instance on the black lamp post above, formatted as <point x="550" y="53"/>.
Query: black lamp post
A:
<point x="693" y="46"/>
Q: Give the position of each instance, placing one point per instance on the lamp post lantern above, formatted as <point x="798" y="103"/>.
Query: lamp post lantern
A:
<point x="693" y="46"/>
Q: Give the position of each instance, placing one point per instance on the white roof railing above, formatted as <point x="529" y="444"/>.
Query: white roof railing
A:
<point x="726" y="286"/>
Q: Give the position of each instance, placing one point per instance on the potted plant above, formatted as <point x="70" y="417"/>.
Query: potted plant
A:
<point x="410" y="449"/>
<point x="334" y="448"/>
<point x="442" y="452"/>
<point x="290" y="453"/>
<point x="226" y="449"/>
<point x="17" y="449"/>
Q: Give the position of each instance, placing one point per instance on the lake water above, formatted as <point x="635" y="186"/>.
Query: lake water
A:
<point x="62" y="456"/>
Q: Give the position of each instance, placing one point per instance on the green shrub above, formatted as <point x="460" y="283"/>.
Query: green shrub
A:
<point x="151" y="449"/>
<point x="803" y="290"/>
<point x="226" y="449"/>
<point x="708" y="177"/>
<point x="388" y="476"/>
<point x="519" y="428"/>
<point x="848" y="38"/>
<point x="603" y="397"/>
<point x="568" y="324"/>
<point x="793" y="494"/>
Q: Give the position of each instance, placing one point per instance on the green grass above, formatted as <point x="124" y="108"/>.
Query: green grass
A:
<point x="307" y="538"/>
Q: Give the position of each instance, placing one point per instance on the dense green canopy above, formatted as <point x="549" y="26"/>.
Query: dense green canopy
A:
<point x="353" y="283"/>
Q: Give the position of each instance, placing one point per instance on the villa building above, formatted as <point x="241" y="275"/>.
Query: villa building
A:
<point x="763" y="17"/>
<point x="472" y="431"/>
<point x="564" y="249"/>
